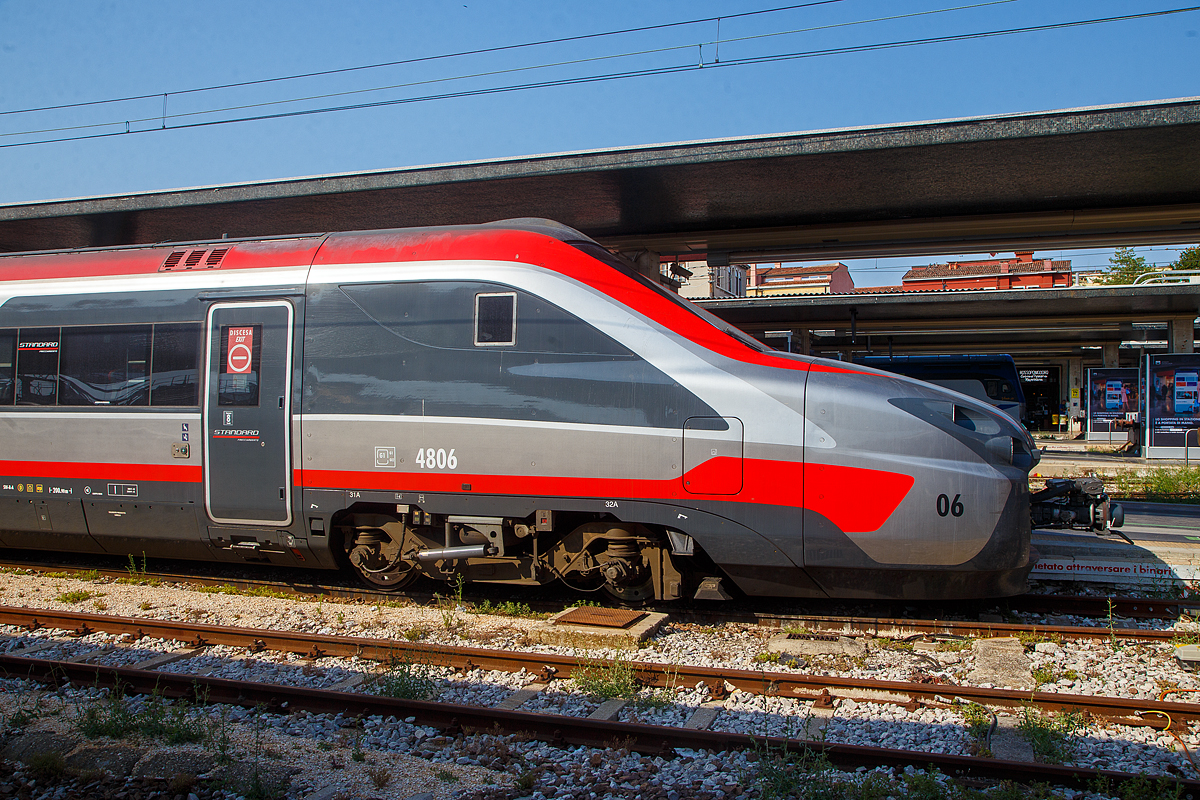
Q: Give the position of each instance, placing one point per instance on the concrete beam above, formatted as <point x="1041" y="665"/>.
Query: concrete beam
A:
<point x="1181" y="334"/>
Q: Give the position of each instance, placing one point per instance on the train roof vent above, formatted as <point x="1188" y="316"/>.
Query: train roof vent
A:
<point x="172" y="261"/>
<point x="201" y="258"/>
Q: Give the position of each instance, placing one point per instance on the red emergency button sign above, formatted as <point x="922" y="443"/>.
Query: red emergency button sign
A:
<point x="241" y="345"/>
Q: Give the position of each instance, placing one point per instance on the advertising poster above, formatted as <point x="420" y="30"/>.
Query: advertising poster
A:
<point x="1112" y="393"/>
<point x="1173" y="395"/>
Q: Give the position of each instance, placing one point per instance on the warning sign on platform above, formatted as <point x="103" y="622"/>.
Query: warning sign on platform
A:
<point x="1114" y="571"/>
<point x="240" y="350"/>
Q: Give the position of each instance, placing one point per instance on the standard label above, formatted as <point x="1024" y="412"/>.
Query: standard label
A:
<point x="122" y="490"/>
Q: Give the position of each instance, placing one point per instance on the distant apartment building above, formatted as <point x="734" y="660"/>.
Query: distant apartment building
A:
<point x="766" y="280"/>
<point x="1022" y="271"/>
<point x="707" y="283"/>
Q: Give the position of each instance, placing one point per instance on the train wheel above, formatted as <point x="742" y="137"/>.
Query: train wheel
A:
<point x="375" y="556"/>
<point x="636" y="595"/>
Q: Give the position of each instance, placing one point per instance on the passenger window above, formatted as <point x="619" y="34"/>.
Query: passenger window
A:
<point x="241" y="352"/>
<point x="495" y="319"/>
<point x="175" y="373"/>
<point x="37" y="366"/>
<point x="8" y="340"/>
<point x="104" y="366"/>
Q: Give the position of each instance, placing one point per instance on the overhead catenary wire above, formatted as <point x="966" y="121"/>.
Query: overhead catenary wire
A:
<point x="492" y="73"/>
<point x="422" y="59"/>
<point x="581" y="80"/>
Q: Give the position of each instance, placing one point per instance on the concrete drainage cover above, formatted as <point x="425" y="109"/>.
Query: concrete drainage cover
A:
<point x="600" y="617"/>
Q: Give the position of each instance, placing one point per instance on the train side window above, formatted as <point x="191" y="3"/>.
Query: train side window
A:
<point x="104" y="366"/>
<point x="496" y="319"/>
<point x="175" y="372"/>
<point x="37" y="366"/>
<point x="241" y="352"/>
<point x="8" y="341"/>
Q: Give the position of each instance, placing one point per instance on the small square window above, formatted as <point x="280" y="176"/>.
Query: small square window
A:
<point x="495" y="319"/>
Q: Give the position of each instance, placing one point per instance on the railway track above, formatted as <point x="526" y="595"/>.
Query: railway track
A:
<point x="1107" y="610"/>
<point x="554" y="729"/>
<point x="821" y="689"/>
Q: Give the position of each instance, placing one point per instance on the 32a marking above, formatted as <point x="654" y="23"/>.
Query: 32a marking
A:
<point x="946" y="506"/>
<point x="429" y="458"/>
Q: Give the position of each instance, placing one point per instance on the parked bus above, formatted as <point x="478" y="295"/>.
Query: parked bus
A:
<point x="992" y="379"/>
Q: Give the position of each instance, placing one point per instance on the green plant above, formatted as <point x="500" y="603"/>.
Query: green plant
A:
<point x="146" y="605"/>
<point x="48" y="767"/>
<point x="766" y="658"/>
<point x="1043" y="675"/>
<point x="527" y="780"/>
<point x="181" y="783"/>
<point x="507" y="608"/>
<point x="406" y="680"/>
<point x="218" y="736"/>
<point x="1172" y="484"/>
<point x="449" y="606"/>
<point x="615" y="678"/>
<point x="75" y="596"/>
<point x="1139" y="788"/>
<point x="259" y="785"/>
<point x="416" y="632"/>
<point x="1049" y="734"/>
<point x="137" y="575"/>
<point x="1112" y="628"/>
<point x="379" y="776"/>
<point x="446" y="775"/>
<point x="805" y="774"/>
<point x="26" y="712"/>
<point x="110" y="717"/>
<point x="978" y="719"/>
<point x="113" y="717"/>
<point x="253" y="591"/>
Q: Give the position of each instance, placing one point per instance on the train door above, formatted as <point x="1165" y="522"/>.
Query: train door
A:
<point x="712" y="455"/>
<point x="247" y="413"/>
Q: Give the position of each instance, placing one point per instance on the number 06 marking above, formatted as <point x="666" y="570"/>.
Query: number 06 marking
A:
<point x="945" y="506"/>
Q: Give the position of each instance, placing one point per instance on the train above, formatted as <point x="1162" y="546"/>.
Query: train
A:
<point x="504" y="402"/>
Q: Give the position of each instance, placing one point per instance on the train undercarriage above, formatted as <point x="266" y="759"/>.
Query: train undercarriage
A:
<point x="628" y="562"/>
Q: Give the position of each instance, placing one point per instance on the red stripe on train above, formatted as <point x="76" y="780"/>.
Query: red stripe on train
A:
<point x="856" y="500"/>
<point x="532" y="248"/>
<point x="82" y="470"/>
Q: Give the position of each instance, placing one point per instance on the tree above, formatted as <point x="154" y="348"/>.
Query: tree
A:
<point x="1124" y="266"/>
<point x="1188" y="259"/>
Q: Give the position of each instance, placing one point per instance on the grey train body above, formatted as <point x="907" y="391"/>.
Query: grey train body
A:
<point x="501" y="402"/>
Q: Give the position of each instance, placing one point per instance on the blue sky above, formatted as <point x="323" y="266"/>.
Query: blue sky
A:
<point x="57" y="52"/>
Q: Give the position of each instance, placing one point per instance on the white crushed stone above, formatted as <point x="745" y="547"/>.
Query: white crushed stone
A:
<point x="1076" y="667"/>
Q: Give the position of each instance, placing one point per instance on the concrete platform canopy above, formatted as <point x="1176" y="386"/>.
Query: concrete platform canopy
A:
<point x="1078" y="177"/>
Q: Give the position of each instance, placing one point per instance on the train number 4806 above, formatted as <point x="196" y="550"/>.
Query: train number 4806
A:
<point x="428" y="458"/>
<point x="947" y="506"/>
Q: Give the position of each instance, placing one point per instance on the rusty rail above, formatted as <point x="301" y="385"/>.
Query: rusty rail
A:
<point x="558" y="730"/>
<point x="1126" y="711"/>
<point x="1096" y="607"/>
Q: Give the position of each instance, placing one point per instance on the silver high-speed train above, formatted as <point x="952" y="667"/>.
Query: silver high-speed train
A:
<point x="505" y="402"/>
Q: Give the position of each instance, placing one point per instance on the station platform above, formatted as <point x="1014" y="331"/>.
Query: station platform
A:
<point x="1165" y="553"/>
